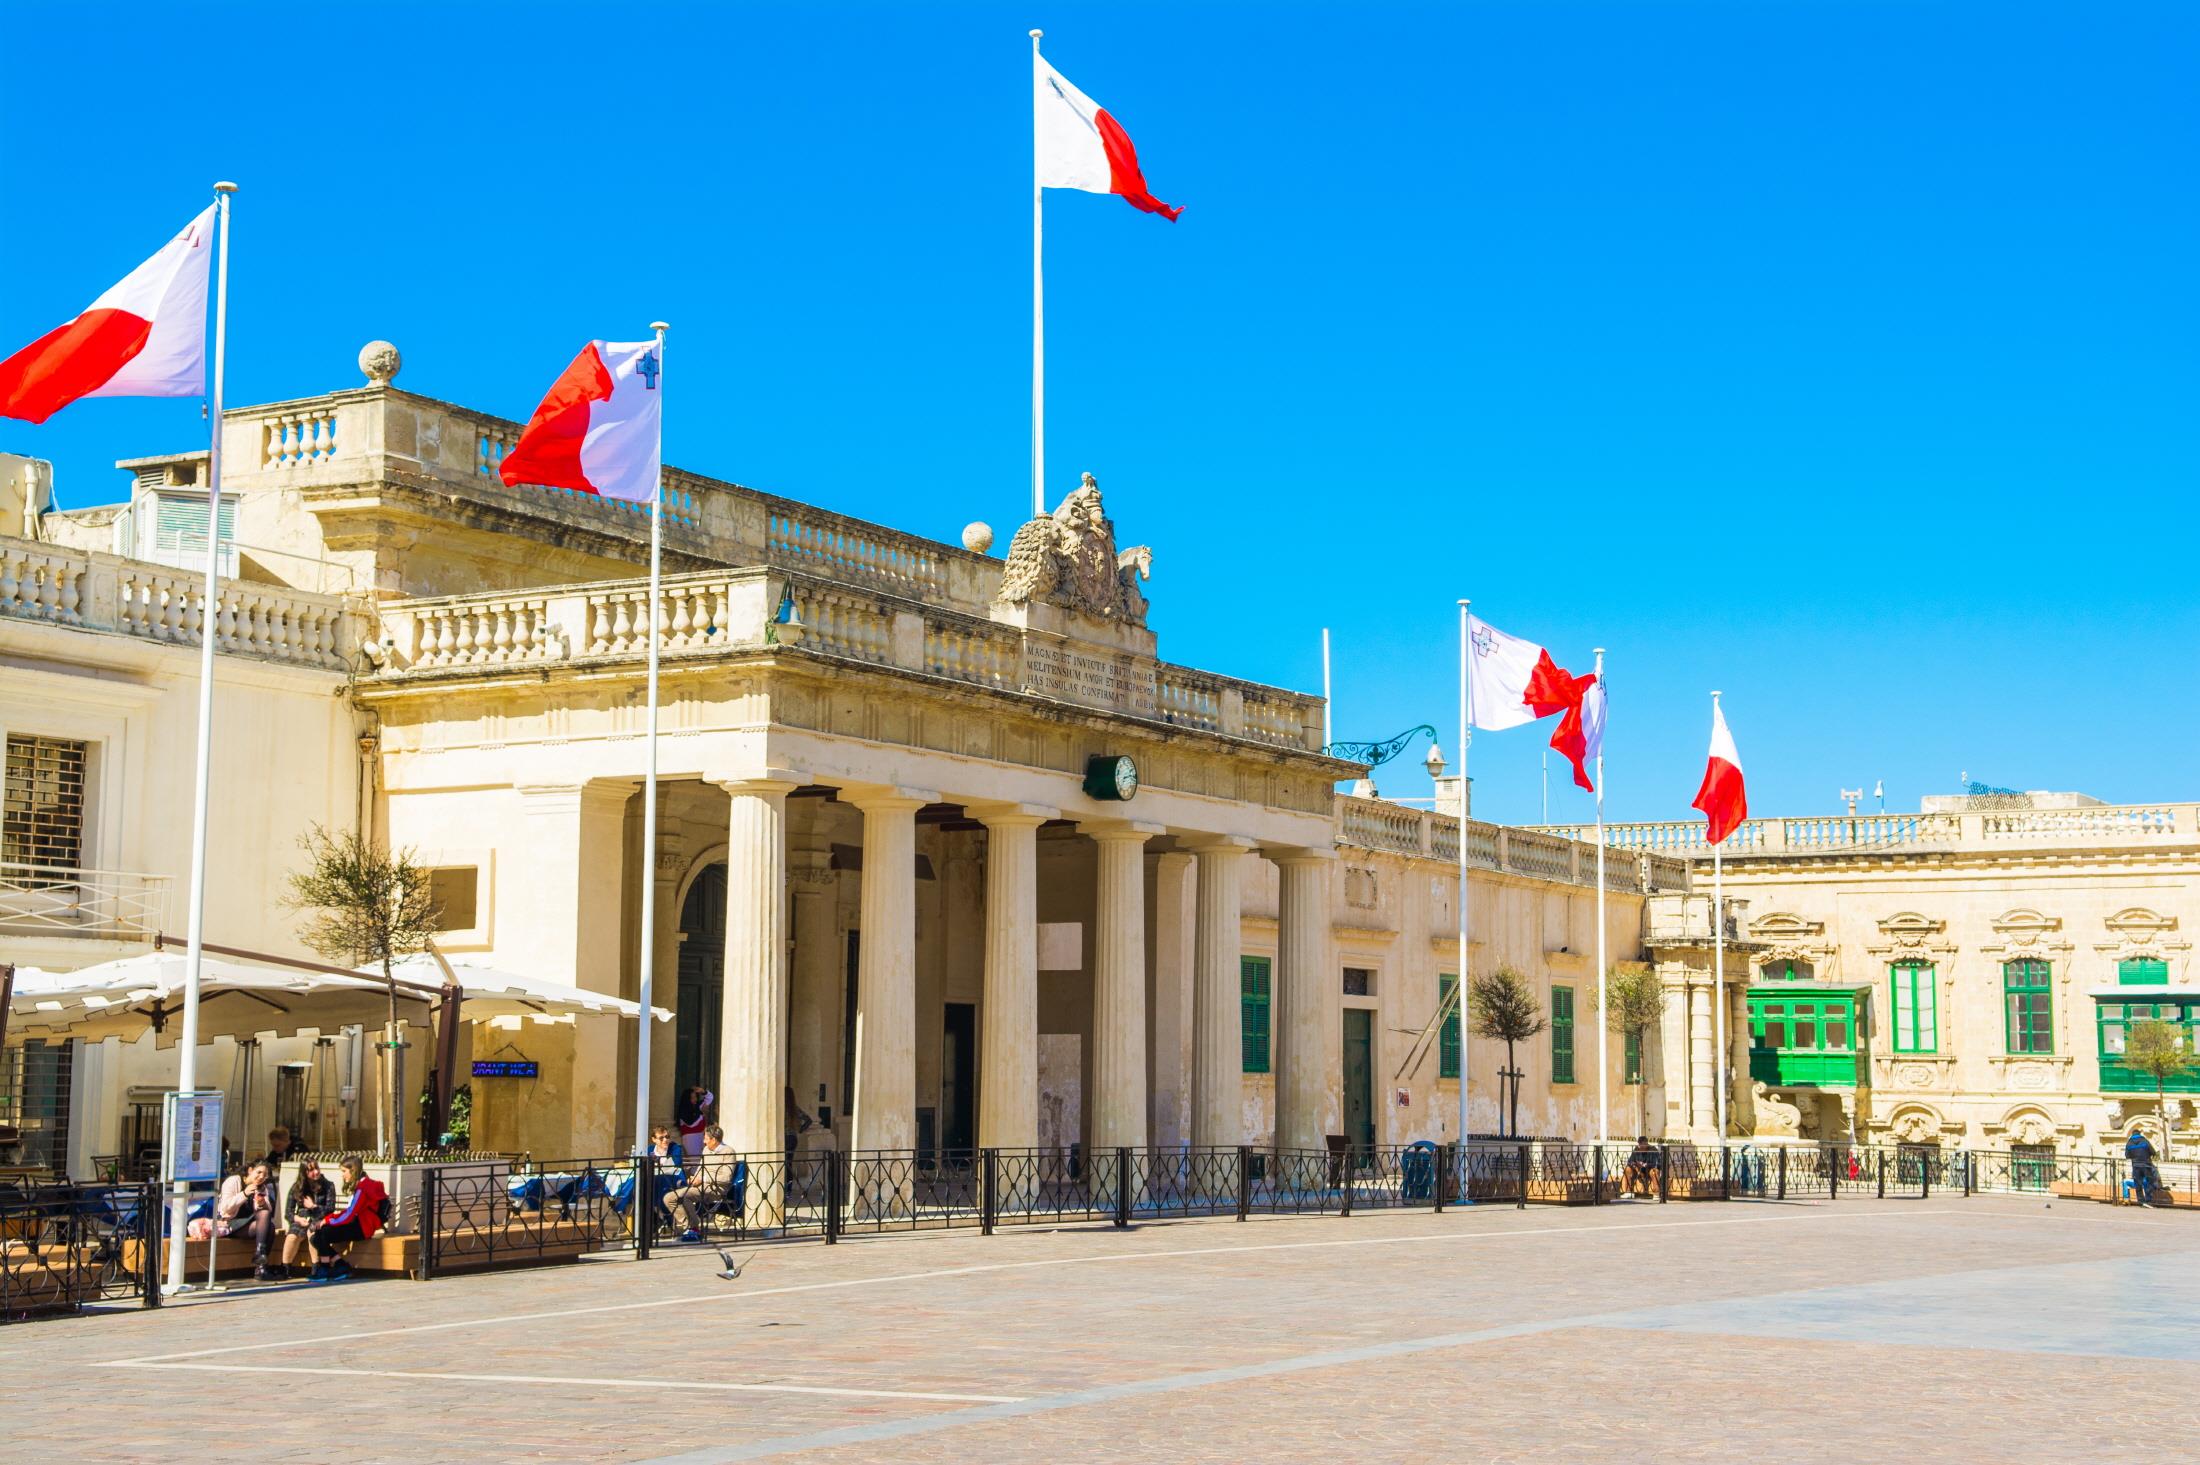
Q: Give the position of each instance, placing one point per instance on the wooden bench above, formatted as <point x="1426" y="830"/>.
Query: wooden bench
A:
<point x="466" y="1249"/>
<point x="232" y="1256"/>
<point x="37" y="1277"/>
<point x="1695" y="1187"/>
<point x="1573" y="1192"/>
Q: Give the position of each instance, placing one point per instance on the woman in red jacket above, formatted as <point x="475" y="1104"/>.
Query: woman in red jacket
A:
<point x="361" y="1215"/>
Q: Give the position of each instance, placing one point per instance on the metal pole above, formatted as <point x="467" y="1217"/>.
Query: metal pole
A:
<point x="187" y="1067"/>
<point x="1466" y="743"/>
<point x="1329" y="730"/>
<point x="647" y="990"/>
<point x="1718" y="974"/>
<point x="1603" y="1025"/>
<point x="1038" y="317"/>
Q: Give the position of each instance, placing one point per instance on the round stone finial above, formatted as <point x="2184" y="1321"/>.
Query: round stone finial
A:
<point x="977" y="536"/>
<point x="380" y="361"/>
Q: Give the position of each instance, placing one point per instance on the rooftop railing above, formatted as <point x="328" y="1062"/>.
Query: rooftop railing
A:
<point x="740" y="608"/>
<point x="1380" y="825"/>
<point x="90" y="590"/>
<point x="1836" y="833"/>
<point x="59" y="900"/>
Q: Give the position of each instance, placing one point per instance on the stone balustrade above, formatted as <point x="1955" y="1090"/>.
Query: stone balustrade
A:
<point x="1381" y="825"/>
<point x="378" y="433"/>
<point x="1843" y="833"/>
<point x="830" y="617"/>
<point x="94" y="591"/>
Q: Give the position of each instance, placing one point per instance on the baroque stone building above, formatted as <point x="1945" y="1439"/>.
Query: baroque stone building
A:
<point x="948" y="855"/>
<point x="1961" y="976"/>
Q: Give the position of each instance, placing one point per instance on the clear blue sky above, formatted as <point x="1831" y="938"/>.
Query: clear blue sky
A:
<point x="1840" y="355"/>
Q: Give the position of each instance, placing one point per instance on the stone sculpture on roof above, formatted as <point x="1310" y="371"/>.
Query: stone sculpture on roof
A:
<point x="1068" y="558"/>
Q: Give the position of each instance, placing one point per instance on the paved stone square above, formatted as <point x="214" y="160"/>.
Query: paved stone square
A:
<point x="1989" y="1328"/>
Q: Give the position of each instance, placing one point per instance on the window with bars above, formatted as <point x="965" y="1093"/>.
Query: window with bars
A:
<point x="1915" y="1007"/>
<point x="42" y="802"/>
<point x="2029" y="1019"/>
<point x="1447" y="1049"/>
<point x="1253" y="990"/>
<point x="1562" y="1035"/>
<point x="1358" y="982"/>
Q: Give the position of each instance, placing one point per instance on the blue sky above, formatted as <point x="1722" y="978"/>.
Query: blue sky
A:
<point x="1839" y="355"/>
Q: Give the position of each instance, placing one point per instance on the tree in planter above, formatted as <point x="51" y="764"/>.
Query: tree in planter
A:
<point x="364" y="906"/>
<point x="2157" y="1049"/>
<point x="1506" y="1008"/>
<point x="1634" y="1005"/>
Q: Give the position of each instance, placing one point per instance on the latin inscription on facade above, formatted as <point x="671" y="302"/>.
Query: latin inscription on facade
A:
<point x="1119" y="684"/>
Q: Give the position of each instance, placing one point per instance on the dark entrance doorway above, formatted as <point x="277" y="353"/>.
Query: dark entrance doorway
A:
<point x="959" y="1079"/>
<point x="702" y="982"/>
<point x="1359" y="1078"/>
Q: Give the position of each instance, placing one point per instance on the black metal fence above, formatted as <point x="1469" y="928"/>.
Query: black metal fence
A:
<point x="64" y="1247"/>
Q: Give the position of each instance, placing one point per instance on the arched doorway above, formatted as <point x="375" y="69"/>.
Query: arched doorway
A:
<point x="702" y="981"/>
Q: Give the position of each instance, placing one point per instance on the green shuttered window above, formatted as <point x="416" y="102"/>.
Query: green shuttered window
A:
<point x="1253" y="987"/>
<point x="1915" y="1008"/>
<point x="1562" y="1035"/>
<point x="2142" y="973"/>
<point x="2030" y="1012"/>
<point x="1447" y="1053"/>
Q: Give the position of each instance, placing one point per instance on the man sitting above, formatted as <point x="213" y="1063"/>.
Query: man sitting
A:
<point x="1643" y="1164"/>
<point x="713" y="1177"/>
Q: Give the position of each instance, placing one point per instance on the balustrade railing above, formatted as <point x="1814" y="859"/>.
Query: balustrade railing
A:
<point x="1820" y="834"/>
<point x="1378" y="824"/>
<point x="104" y="592"/>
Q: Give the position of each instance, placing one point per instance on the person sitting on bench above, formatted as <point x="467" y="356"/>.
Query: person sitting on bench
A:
<point x="312" y="1196"/>
<point x="1643" y="1164"/>
<point x="247" y="1208"/>
<point x="362" y="1215"/>
<point x="713" y="1178"/>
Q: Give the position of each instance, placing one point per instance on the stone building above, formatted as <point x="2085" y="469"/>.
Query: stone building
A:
<point x="948" y="855"/>
<point x="1961" y="976"/>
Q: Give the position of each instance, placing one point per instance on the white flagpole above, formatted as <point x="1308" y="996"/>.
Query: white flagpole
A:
<point x="1603" y="1023"/>
<point x="1038" y="320"/>
<point x="1718" y="975"/>
<point x="646" y="992"/>
<point x="1329" y="726"/>
<point x="187" y="1068"/>
<point x="1466" y="741"/>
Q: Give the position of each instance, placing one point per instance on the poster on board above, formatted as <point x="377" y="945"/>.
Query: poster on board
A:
<point x="191" y="1130"/>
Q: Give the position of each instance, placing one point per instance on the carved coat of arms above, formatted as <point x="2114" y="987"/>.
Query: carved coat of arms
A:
<point x="1069" y="558"/>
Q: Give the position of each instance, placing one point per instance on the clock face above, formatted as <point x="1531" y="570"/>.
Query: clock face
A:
<point x="1126" y="778"/>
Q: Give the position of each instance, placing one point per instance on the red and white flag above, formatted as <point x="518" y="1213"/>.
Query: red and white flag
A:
<point x="1722" y="798"/>
<point x="600" y="429"/>
<point x="1580" y="734"/>
<point x="144" y="338"/>
<point x="1076" y="144"/>
<point x="1500" y="669"/>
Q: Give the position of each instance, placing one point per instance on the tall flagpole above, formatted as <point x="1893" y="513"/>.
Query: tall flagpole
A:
<point x="1603" y="1020"/>
<point x="1718" y="975"/>
<point x="646" y="992"/>
<point x="1466" y="741"/>
<point x="1329" y="726"/>
<point x="1038" y="319"/>
<point x="187" y="1068"/>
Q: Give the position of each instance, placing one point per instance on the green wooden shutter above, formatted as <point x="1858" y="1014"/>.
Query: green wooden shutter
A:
<point x="2142" y="973"/>
<point x="2029" y="1010"/>
<point x="1253" y="1011"/>
<point x="1562" y="1035"/>
<point x="1633" y="1059"/>
<point x="1916" y="1008"/>
<point x="1447" y="1054"/>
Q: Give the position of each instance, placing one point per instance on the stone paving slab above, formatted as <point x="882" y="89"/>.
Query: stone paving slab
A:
<point x="1982" y="1327"/>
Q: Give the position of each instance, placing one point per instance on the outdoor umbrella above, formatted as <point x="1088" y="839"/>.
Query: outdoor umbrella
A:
<point x="129" y="997"/>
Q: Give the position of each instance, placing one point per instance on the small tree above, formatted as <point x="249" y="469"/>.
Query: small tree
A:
<point x="1634" y="1005"/>
<point x="366" y="907"/>
<point x="1506" y="1008"/>
<point x="2157" y="1049"/>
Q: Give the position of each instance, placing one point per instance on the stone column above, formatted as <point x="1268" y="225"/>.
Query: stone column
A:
<point x="882" y="1110"/>
<point x="1309" y="1002"/>
<point x="814" y="1000"/>
<point x="1218" y="1042"/>
<point x="1169" y="1000"/>
<point x="1703" y="1116"/>
<point x="1008" y="1009"/>
<point x="752" y="1063"/>
<point x="1119" y="986"/>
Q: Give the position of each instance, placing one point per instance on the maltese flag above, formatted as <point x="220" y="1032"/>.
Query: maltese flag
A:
<point x="144" y="338"/>
<point x="1509" y="681"/>
<point x="1722" y="798"/>
<point x="600" y="429"/>
<point x="1076" y="144"/>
